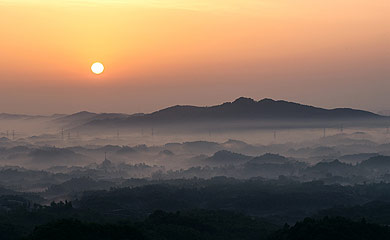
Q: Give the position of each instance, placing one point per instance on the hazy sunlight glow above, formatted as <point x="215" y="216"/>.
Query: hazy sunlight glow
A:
<point x="97" y="68"/>
<point x="173" y="50"/>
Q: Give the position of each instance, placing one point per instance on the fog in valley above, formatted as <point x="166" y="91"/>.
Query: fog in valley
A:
<point x="37" y="153"/>
<point x="280" y="164"/>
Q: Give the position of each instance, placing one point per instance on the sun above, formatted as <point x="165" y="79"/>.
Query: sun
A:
<point x="97" y="68"/>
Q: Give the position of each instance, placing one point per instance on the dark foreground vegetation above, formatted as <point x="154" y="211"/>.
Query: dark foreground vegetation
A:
<point x="201" y="225"/>
<point x="332" y="228"/>
<point x="195" y="224"/>
<point x="219" y="208"/>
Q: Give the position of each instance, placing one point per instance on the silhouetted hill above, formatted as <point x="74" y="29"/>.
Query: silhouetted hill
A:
<point x="83" y="117"/>
<point x="335" y="168"/>
<point x="356" y="158"/>
<point x="8" y="116"/>
<point x="247" y="108"/>
<point x="242" y="109"/>
<point x="78" y="185"/>
<point x="227" y="157"/>
<point x="270" y="158"/>
<point x="380" y="162"/>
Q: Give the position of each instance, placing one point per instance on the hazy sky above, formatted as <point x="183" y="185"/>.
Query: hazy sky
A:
<point x="157" y="53"/>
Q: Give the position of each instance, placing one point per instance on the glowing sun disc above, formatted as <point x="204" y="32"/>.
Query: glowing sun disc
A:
<point x="97" y="68"/>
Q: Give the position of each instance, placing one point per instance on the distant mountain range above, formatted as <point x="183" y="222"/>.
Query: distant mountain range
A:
<point x="248" y="109"/>
<point x="242" y="109"/>
<point x="84" y="117"/>
<point x="8" y="116"/>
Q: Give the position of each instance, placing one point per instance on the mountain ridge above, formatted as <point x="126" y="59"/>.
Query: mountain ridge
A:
<point x="241" y="109"/>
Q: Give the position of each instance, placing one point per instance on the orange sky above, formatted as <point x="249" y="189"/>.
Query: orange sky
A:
<point x="163" y="52"/>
